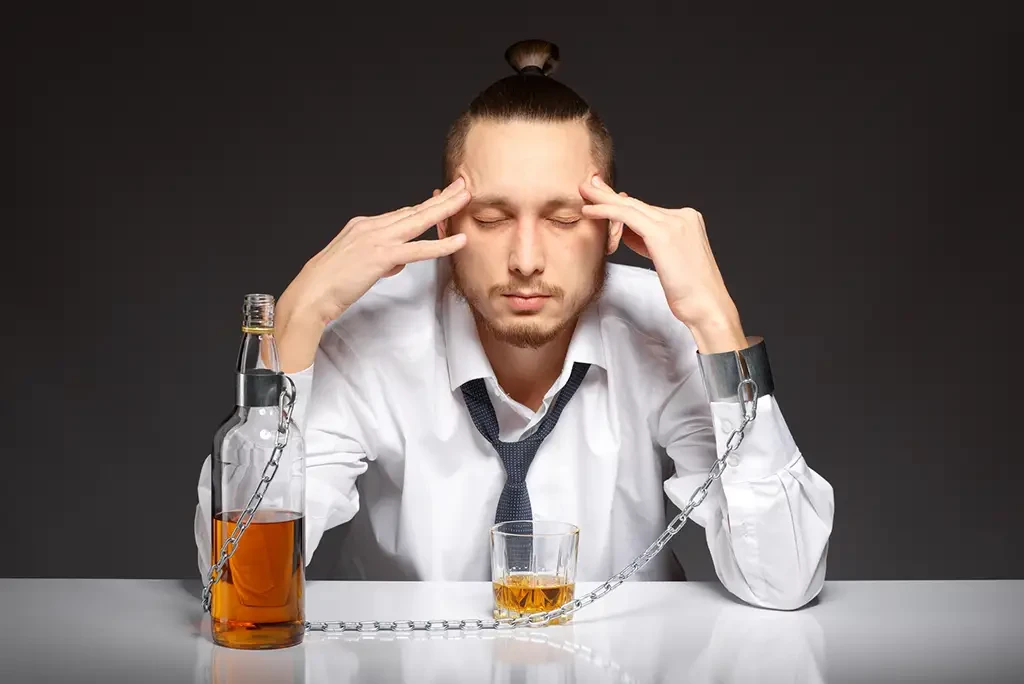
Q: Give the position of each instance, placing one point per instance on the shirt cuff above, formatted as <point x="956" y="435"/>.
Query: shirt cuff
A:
<point x="767" y="448"/>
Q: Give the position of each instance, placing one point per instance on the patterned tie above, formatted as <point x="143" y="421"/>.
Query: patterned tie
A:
<point x="516" y="457"/>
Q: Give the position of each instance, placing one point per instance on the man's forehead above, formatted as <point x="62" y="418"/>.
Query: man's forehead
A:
<point x="550" y="200"/>
<point x="525" y="158"/>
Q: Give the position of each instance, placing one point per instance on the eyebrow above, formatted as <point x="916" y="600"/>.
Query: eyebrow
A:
<point x="503" y="202"/>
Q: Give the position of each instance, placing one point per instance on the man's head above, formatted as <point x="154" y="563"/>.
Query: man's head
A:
<point x="524" y="146"/>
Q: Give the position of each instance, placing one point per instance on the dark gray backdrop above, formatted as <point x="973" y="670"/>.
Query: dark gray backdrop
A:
<point x="854" y="168"/>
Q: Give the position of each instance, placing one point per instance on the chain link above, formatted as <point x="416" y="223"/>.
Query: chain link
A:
<point x="532" y="620"/>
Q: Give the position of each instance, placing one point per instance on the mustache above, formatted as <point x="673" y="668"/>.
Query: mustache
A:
<point x="538" y="287"/>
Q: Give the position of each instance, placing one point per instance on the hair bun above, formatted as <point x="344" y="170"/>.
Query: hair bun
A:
<point x="540" y="54"/>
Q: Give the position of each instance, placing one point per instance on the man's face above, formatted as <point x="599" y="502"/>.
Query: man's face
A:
<point x="531" y="263"/>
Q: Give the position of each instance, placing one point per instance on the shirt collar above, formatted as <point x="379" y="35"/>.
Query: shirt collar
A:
<point x="467" y="360"/>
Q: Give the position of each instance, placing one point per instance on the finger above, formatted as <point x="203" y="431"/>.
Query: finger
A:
<point x="397" y="215"/>
<point x="430" y="215"/>
<point x="392" y="216"/>
<point x="606" y="195"/>
<point x="635" y="243"/>
<point x="602" y="193"/>
<point x="618" y="225"/>
<point x="387" y="214"/>
<point x="370" y="221"/>
<point x="422" y="250"/>
<point x="624" y="194"/>
<point x="641" y="223"/>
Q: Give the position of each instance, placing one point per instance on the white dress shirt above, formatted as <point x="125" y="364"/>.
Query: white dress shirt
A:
<point x="391" y="447"/>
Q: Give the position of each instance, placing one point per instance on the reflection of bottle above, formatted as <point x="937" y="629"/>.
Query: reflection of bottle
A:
<point x="287" y="666"/>
<point x="258" y="601"/>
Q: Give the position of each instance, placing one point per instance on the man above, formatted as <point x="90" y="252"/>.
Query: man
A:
<point x="406" y="353"/>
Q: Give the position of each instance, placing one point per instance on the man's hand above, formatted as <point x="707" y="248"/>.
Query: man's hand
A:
<point x="366" y="249"/>
<point x="676" y="241"/>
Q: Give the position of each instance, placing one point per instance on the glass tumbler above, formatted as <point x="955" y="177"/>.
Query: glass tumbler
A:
<point x="533" y="566"/>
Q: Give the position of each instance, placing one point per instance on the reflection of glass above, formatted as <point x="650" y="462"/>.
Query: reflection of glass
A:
<point x="533" y="566"/>
<point x="509" y="657"/>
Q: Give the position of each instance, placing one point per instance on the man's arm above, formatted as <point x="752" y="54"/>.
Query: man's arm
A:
<point x="366" y="249"/>
<point x="769" y="517"/>
<point x="332" y="419"/>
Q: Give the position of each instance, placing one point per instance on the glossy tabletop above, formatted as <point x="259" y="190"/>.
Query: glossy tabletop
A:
<point x="70" y="630"/>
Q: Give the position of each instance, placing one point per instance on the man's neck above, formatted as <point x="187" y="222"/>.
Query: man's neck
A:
<point x="526" y="374"/>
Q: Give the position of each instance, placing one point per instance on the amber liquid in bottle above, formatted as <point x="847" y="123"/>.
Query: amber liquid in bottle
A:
<point x="528" y="593"/>
<point x="258" y="603"/>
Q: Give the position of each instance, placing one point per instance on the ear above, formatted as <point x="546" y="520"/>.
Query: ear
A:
<point x="442" y="226"/>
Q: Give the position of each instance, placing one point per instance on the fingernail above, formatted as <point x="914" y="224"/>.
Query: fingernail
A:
<point x="459" y="183"/>
<point x="596" y="180"/>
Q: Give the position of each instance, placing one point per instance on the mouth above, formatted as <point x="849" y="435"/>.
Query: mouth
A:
<point x="525" y="301"/>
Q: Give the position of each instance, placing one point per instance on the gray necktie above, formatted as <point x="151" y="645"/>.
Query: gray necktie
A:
<point x="514" y="503"/>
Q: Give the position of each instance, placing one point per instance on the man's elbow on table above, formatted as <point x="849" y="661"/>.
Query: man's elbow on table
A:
<point x="785" y="592"/>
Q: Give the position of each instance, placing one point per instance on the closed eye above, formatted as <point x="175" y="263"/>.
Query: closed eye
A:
<point x="560" y="221"/>
<point x="491" y="222"/>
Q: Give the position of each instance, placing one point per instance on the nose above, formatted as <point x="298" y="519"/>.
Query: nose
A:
<point x="526" y="255"/>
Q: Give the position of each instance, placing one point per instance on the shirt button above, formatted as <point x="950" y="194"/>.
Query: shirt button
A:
<point x="726" y="425"/>
<point x="732" y="459"/>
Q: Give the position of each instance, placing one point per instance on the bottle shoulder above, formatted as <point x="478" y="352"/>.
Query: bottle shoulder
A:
<point x="256" y="427"/>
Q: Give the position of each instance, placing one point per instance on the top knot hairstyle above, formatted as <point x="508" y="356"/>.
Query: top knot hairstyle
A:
<point x="530" y="95"/>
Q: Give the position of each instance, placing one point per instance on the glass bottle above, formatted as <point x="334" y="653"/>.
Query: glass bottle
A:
<point x="258" y="603"/>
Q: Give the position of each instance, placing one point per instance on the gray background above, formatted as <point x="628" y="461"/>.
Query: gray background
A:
<point x="854" y="168"/>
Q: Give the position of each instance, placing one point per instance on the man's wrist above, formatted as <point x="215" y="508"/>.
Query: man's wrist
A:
<point x="719" y="333"/>
<point x="298" y="337"/>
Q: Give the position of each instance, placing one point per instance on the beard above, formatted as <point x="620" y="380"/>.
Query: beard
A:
<point x="526" y="334"/>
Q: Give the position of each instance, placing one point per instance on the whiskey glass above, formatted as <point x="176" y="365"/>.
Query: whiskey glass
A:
<point x="533" y="567"/>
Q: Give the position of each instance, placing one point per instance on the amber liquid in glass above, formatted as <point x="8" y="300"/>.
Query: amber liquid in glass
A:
<point x="258" y="603"/>
<point x="528" y="593"/>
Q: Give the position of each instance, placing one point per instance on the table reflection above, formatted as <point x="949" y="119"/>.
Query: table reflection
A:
<point x="742" y="644"/>
<point x="750" y="644"/>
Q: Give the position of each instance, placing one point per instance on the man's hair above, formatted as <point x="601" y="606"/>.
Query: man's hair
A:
<point x="530" y="95"/>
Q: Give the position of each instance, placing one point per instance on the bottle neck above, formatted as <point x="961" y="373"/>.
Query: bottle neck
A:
<point x="258" y="351"/>
<point x="258" y="367"/>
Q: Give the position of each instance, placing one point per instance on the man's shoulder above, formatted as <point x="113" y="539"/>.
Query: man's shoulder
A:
<point x="397" y="310"/>
<point x="633" y="300"/>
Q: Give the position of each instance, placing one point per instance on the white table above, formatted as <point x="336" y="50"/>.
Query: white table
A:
<point x="64" y="630"/>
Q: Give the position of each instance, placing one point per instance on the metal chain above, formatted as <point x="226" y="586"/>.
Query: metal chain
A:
<point x="230" y="545"/>
<point x="535" y="619"/>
